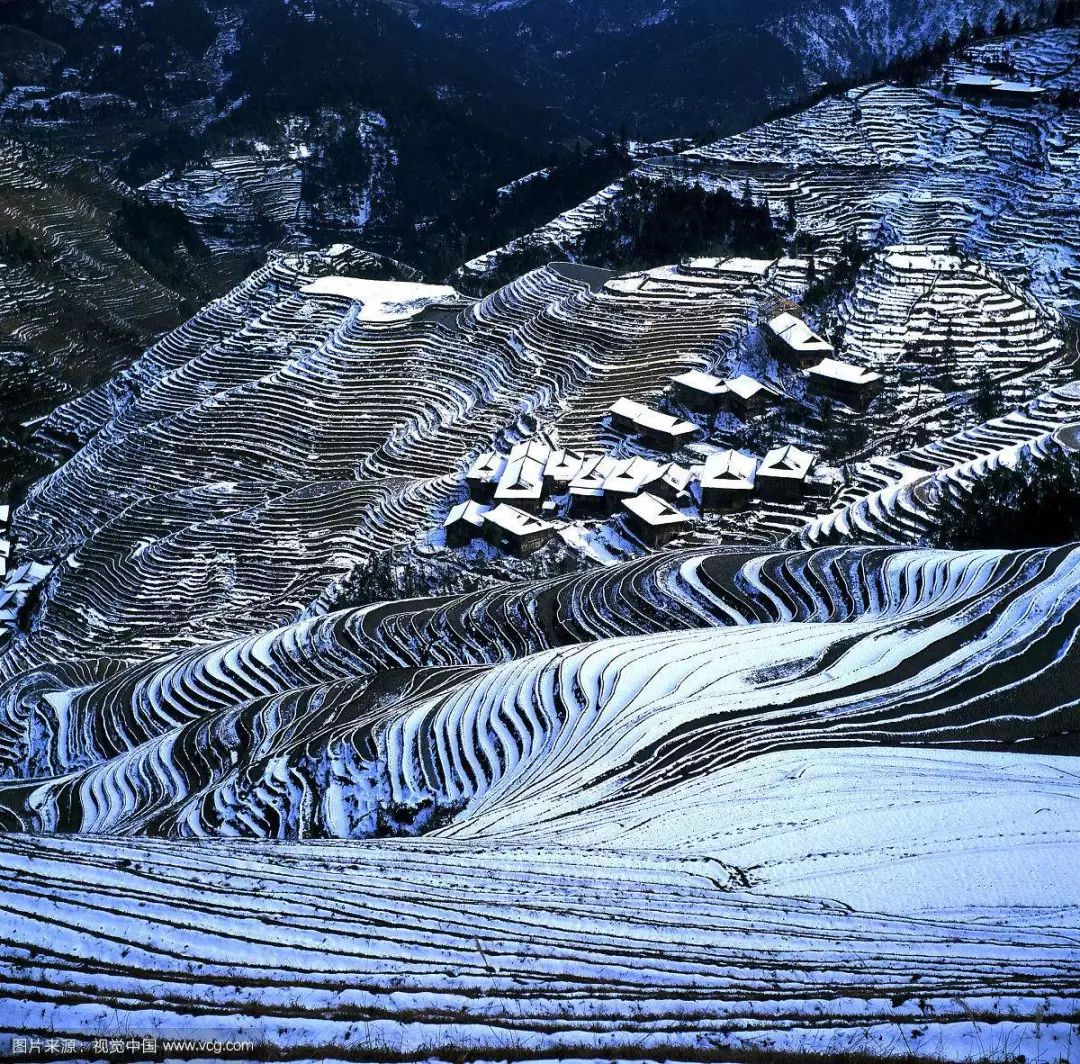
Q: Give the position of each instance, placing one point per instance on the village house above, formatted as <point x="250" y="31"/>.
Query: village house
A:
<point x="699" y="391"/>
<point x="851" y="385"/>
<point x="465" y="522"/>
<point x="1017" y="94"/>
<point x="663" y="431"/>
<point x="561" y="467"/>
<point x="627" y="479"/>
<point x="483" y="475"/>
<point x="624" y="413"/>
<point x="513" y="530"/>
<point x="653" y="520"/>
<point x="587" y="497"/>
<point x="534" y="449"/>
<point x="794" y="343"/>
<point x="522" y="484"/>
<point x="995" y="90"/>
<point x="975" y="86"/>
<point x="747" y="397"/>
<point x="671" y="483"/>
<point x="783" y="473"/>
<point x="728" y="480"/>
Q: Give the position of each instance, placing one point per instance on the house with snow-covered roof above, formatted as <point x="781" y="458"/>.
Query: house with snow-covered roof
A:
<point x="783" y="473"/>
<point x="561" y="467"/>
<point x="587" y="497"/>
<point x="748" y="397"/>
<point x="664" y="431"/>
<point x="516" y="531"/>
<point x="624" y="413"/>
<point x="653" y="520"/>
<point x="521" y="483"/>
<point x="465" y="522"/>
<point x="627" y="479"/>
<point x="728" y="480"/>
<point x="483" y="475"/>
<point x="699" y="391"/>
<point x="851" y="385"/>
<point x="671" y="482"/>
<point x="793" y="342"/>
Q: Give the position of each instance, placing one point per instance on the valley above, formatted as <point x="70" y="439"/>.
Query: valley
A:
<point x="587" y="648"/>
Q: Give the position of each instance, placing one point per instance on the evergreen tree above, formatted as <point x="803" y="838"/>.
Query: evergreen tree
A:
<point x="986" y="396"/>
<point x="1037" y="504"/>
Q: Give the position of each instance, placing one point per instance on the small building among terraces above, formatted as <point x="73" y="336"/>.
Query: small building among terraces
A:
<point x="748" y="398"/>
<point x="728" y="480"/>
<point x="699" y="391"/>
<point x="794" y="343"/>
<point x="783" y="474"/>
<point x="515" y="531"/>
<point x="840" y="381"/>
<point x="465" y="522"/>
<point x="654" y="521"/>
<point x="522" y="484"/>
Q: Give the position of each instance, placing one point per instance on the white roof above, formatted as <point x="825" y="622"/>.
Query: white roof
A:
<point x="746" y="387"/>
<point x="1019" y="87"/>
<point x="594" y="471"/>
<point x="469" y="511"/>
<point x="530" y="449"/>
<point x="657" y="422"/>
<point x="797" y="334"/>
<point x="630" y="474"/>
<point x="654" y="511"/>
<point x="626" y="408"/>
<point x="564" y="464"/>
<point x="730" y="469"/>
<point x="515" y="521"/>
<point x="977" y="81"/>
<point x="786" y="461"/>
<point x="383" y="300"/>
<point x="5" y="513"/>
<point x="522" y="478"/>
<point x="677" y="476"/>
<point x="700" y="382"/>
<point x="843" y="371"/>
<point x="487" y="466"/>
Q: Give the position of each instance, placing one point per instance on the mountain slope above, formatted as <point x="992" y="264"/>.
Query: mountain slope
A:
<point x="724" y="65"/>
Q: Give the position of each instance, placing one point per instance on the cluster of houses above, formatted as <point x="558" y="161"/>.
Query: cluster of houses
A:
<point x="514" y="498"/>
<point x="17" y="584"/>
<point x="795" y="344"/>
<point x="999" y="91"/>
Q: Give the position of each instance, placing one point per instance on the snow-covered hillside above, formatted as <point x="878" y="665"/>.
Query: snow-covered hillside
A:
<point x="810" y="819"/>
<point x="553" y="666"/>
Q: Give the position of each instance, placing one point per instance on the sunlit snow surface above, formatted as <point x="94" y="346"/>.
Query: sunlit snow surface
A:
<point x="802" y="799"/>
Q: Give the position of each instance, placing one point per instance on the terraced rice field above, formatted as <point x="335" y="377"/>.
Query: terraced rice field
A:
<point x="897" y="499"/>
<point x="901" y="165"/>
<point x="632" y="762"/>
<point x="813" y="795"/>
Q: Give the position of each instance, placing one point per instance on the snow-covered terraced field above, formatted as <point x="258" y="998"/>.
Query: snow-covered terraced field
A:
<point x="803" y="808"/>
<point x="823" y="795"/>
<point x="896" y="499"/>
<point x="909" y="165"/>
<point x="908" y="301"/>
<point x="253" y="456"/>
